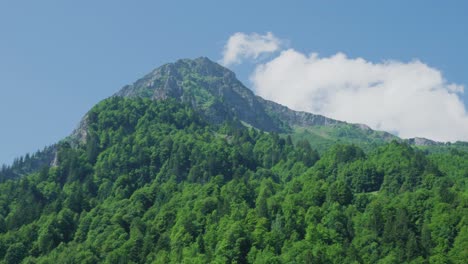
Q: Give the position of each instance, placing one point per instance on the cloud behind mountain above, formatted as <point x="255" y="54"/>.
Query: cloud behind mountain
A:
<point x="410" y="99"/>
<point x="242" y="46"/>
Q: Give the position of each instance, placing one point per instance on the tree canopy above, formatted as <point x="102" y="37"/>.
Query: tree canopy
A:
<point x="155" y="183"/>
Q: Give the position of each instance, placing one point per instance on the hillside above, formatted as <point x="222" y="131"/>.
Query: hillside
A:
<point x="156" y="182"/>
<point x="187" y="165"/>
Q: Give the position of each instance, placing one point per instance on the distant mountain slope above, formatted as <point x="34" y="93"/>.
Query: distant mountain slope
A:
<point x="29" y="163"/>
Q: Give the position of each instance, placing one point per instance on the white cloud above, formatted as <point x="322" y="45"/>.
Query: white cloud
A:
<point x="410" y="98"/>
<point x="242" y="46"/>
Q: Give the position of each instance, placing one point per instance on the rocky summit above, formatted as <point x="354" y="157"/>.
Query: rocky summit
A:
<point x="215" y="91"/>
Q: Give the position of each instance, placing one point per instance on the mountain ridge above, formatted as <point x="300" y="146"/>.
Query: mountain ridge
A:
<point x="178" y="80"/>
<point x="175" y="80"/>
<point x="216" y="93"/>
<point x="167" y="80"/>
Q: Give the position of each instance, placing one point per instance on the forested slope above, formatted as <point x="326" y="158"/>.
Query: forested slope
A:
<point x="155" y="183"/>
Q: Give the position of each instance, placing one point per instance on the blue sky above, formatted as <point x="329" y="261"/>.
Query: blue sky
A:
<point x="59" y="58"/>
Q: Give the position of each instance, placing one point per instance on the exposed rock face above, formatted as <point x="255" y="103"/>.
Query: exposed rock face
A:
<point x="417" y="141"/>
<point x="54" y="162"/>
<point x="81" y="132"/>
<point x="297" y="118"/>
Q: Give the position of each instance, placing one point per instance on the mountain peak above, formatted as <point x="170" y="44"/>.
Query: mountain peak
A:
<point x="201" y="65"/>
<point x="167" y="79"/>
<point x="208" y="87"/>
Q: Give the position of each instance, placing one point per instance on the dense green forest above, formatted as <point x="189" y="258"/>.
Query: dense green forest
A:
<point x="155" y="183"/>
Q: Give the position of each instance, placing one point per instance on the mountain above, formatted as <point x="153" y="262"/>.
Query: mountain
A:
<point x="216" y="93"/>
<point x="172" y="170"/>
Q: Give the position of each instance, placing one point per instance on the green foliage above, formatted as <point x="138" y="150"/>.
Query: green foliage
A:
<point x="326" y="136"/>
<point x="154" y="183"/>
